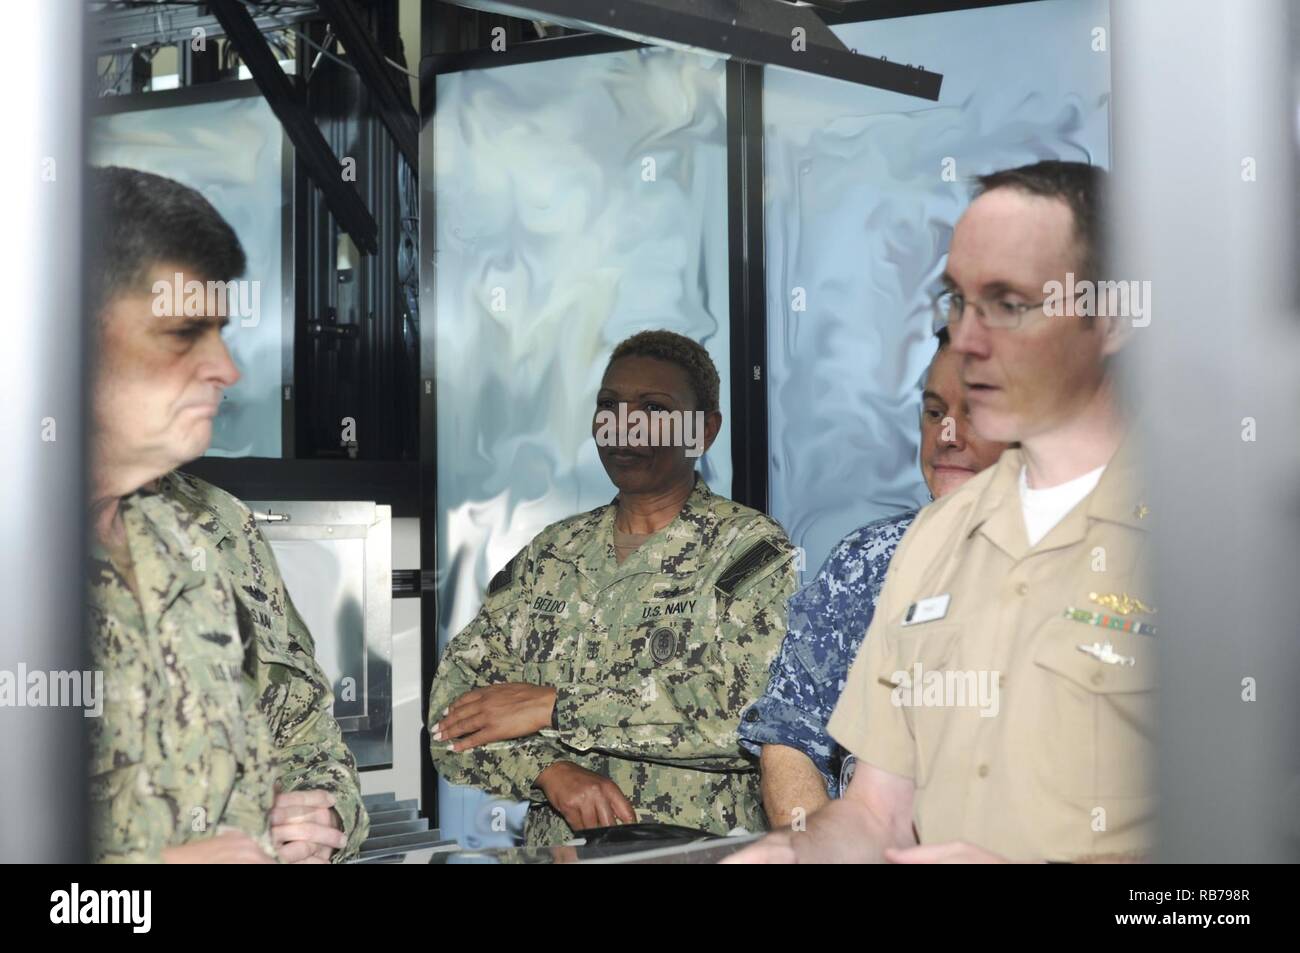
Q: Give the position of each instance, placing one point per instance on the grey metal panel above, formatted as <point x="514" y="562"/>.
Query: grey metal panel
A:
<point x="42" y="494"/>
<point x="336" y="559"/>
<point x="395" y="841"/>
<point x="1205" y="202"/>
<point x="382" y="806"/>
<point x="418" y="853"/>
<point x="390" y="817"/>
<point x="389" y="828"/>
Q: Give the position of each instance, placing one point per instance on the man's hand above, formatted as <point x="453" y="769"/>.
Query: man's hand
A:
<point x="953" y="852"/>
<point x="305" y="828"/>
<point x="495" y="713"/>
<point x="874" y="816"/>
<point x="583" y="798"/>
<point x="776" y="848"/>
<point x="228" y="847"/>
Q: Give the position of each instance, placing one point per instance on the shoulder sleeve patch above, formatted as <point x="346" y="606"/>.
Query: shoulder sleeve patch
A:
<point x="503" y="579"/>
<point x="749" y="562"/>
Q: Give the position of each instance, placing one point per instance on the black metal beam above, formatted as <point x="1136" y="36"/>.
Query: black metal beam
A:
<point x="436" y="20"/>
<point x="376" y="74"/>
<point x="762" y="32"/>
<point x="317" y="157"/>
<point x="860" y="11"/>
<point x="529" y="51"/>
<point x="748" y="293"/>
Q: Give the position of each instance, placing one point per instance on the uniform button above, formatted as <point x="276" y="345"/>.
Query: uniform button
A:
<point x="751" y="715"/>
<point x="1097" y="678"/>
<point x="1022" y="588"/>
<point x="983" y="771"/>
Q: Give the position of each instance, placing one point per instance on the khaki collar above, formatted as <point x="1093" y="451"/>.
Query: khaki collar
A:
<point x="1117" y="498"/>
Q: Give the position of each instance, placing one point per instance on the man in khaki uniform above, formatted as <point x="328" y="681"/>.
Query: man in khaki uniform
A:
<point x="1003" y="706"/>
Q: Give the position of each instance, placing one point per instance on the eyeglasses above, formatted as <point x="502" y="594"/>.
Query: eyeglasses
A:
<point x="950" y="306"/>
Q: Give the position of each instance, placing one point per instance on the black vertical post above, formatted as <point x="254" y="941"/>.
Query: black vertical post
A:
<point x="748" y="297"/>
<point x="433" y="18"/>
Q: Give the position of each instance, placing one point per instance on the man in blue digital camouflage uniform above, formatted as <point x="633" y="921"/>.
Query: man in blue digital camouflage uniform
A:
<point x="802" y="766"/>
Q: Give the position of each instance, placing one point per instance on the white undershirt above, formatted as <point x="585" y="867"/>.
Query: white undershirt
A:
<point x="1044" y="508"/>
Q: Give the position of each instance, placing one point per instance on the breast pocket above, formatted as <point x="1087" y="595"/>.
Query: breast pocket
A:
<point x="211" y="687"/>
<point x="554" y="672"/>
<point x="925" y="655"/>
<point x="825" y="669"/>
<point x="660" y="636"/>
<point x="551" y="628"/>
<point x="1096" y="714"/>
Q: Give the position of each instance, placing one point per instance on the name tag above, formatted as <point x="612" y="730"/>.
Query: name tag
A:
<point x="927" y="610"/>
<point x="547" y="606"/>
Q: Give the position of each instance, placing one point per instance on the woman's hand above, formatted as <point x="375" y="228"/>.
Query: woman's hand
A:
<point x="495" y="713"/>
<point x="583" y="798"/>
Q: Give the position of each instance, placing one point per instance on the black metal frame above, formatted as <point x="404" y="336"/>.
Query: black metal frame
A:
<point x="759" y="32"/>
<point x="392" y="102"/>
<point x="310" y="146"/>
<point x="748" y="292"/>
<point x="357" y="353"/>
<point x="179" y="96"/>
<point x="530" y="51"/>
<point x="860" y="11"/>
<point x="428" y="443"/>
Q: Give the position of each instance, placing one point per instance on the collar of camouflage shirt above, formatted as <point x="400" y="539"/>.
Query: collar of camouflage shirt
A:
<point x="178" y="486"/>
<point x="154" y="521"/>
<point x="674" y="551"/>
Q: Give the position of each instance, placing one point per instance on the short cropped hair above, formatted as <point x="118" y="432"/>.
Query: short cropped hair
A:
<point x="1078" y="185"/>
<point x="141" y="220"/>
<point x="674" y="348"/>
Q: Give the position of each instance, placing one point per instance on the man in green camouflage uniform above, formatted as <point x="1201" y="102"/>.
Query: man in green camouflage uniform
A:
<point x="217" y="741"/>
<point x="181" y="751"/>
<point x="238" y="704"/>
<point x="292" y="690"/>
<point x="644" y="665"/>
